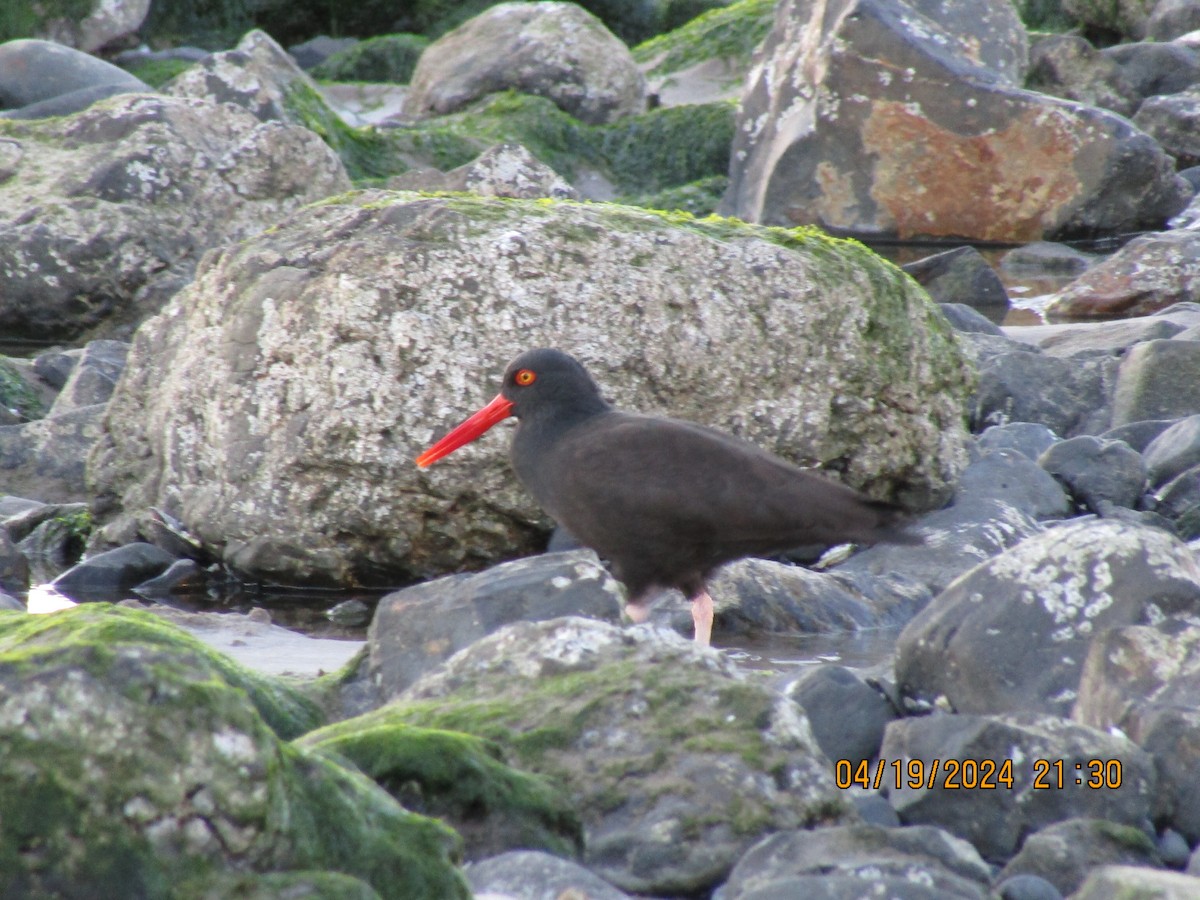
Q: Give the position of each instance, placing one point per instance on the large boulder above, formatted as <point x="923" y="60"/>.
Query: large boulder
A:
<point x="899" y="119"/>
<point x="69" y="24"/>
<point x="117" y="204"/>
<point x="554" y="50"/>
<point x="42" y="78"/>
<point x="676" y="760"/>
<point x="277" y="405"/>
<point x="139" y="763"/>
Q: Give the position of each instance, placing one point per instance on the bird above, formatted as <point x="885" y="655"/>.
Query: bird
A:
<point x="666" y="502"/>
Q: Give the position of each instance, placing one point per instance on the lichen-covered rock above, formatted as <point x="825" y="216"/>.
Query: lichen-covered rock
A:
<point x="276" y="407"/>
<point x="896" y="118"/>
<point x="676" y="760"/>
<point x="118" y="203"/>
<point x="1049" y="597"/>
<point x="555" y="50"/>
<point x="1065" y="852"/>
<point x="132" y="759"/>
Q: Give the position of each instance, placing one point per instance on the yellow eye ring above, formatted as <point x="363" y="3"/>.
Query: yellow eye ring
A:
<point x="525" y="377"/>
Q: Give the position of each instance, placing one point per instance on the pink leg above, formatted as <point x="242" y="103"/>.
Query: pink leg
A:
<point x="637" y="612"/>
<point x="702" y="615"/>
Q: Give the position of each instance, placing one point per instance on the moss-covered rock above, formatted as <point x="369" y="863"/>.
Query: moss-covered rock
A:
<point x="134" y="760"/>
<point x="389" y="58"/>
<point x="18" y="394"/>
<point x="461" y="779"/>
<point x="676" y="760"/>
<point x="729" y="32"/>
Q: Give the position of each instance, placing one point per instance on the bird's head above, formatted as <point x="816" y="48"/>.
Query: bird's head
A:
<point x="542" y="382"/>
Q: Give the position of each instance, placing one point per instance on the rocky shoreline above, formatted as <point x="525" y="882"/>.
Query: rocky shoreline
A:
<point x="264" y="310"/>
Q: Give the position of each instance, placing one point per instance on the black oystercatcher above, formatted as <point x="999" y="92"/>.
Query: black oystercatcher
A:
<point x="665" y="502"/>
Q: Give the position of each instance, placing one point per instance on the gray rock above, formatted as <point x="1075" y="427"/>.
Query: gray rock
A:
<point x="1027" y="887"/>
<point x="1068" y="396"/>
<point x="533" y="874"/>
<point x="1095" y="338"/>
<point x="1065" y="852"/>
<point x="33" y="71"/>
<point x="1098" y="473"/>
<point x="8" y="601"/>
<point x="846" y="714"/>
<point x="505" y="170"/>
<point x="951" y="148"/>
<point x="72" y="102"/>
<point x="1138" y="435"/>
<point x="1174" y="451"/>
<point x="1143" y="680"/>
<point x="1170" y="19"/>
<point x="1174" y="121"/>
<point x="1013" y="478"/>
<point x="1050" y="596"/>
<point x="960" y="275"/>
<point x="1149" y="274"/>
<point x="313" y="52"/>
<point x="966" y="318"/>
<point x="554" y="50"/>
<point x="1158" y="380"/>
<point x="92" y="379"/>
<point x="875" y="810"/>
<point x="45" y="458"/>
<point x="1047" y="257"/>
<point x="1179" y="502"/>
<point x="1068" y="66"/>
<point x="927" y="857"/>
<point x="114" y="571"/>
<point x="1026" y="438"/>
<point x="1172" y="848"/>
<point x="956" y="540"/>
<point x="1124" y="881"/>
<point x="14" y="567"/>
<point x="257" y="75"/>
<point x="417" y="628"/>
<point x="996" y="820"/>
<point x="1153" y="68"/>
<point x="240" y="443"/>
<point x="105" y="22"/>
<point x="120" y="201"/>
<point x="676" y="760"/>
<point x="54" y="366"/>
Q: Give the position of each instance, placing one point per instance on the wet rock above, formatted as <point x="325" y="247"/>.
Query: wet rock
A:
<point x="1174" y="121"/>
<point x="419" y="627"/>
<point x="915" y="126"/>
<point x="1120" y="881"/>
<point x="1144" y="681"/>
<point x="133" y="754"/>
<point x="1068" y="396"/>
<point x="529" y="873"/>
<point x="881" y="862"/>
<point x="1068" y="66"/>
<point x="1098" y="473"/>
<point x="1156" y="381"/>
<point x="554" y="50"/>
<point x="995" y="821"/>
<point x="1027" y="438"/>
<point x="119" y="202"/>
<point x="180" y="577"/>
<point x="113" y="571"/>
<point x="960" y="275"/>
<point x="955" y="540"/>
<point x="652" y="738"/>
<point x="394" y="362"/>
<point x="36" y="71"/>
<point x="846" y="714"/>
<point x="1150" y="273"/>
<point x="966" y="318"/>
<point x="1175" y="450"/>
<point x="1065" y="852"/>
<point x="505" y="170"/>
<point x="1051" y="595"/>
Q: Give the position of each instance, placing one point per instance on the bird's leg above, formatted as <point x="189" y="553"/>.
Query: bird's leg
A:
<point x="637" y="612"/>
<point x="702" y="616"/>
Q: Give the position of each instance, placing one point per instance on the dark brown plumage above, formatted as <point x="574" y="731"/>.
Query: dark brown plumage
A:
<point x="665" y="502"/>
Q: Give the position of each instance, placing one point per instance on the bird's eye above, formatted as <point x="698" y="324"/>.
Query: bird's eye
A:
<point x="525" y="377"/>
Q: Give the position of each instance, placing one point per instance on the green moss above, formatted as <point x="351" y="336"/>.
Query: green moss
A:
<point x="365" y="152"/>
<point x="668" y="147"/>
<point x="18" y="395"/>
<point x="101" y="628"/>
<point x="387" y="58"/>
<point x="275" y="885"/>
<point x="157" y="72"/>
<point x="732" y="32"/>
<point x="26" y="18"/>
<point x="457" y="777"/>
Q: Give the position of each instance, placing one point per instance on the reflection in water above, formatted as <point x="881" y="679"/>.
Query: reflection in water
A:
<point x="864" y="649"/>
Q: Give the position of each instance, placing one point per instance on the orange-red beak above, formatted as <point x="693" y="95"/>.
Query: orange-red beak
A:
<point x="499" y="409"/>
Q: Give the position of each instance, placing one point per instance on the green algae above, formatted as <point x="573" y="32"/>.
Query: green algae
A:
<point x="385" y="58"/>
<point x="730" y="32"/>
<point x="17" y="395"/>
